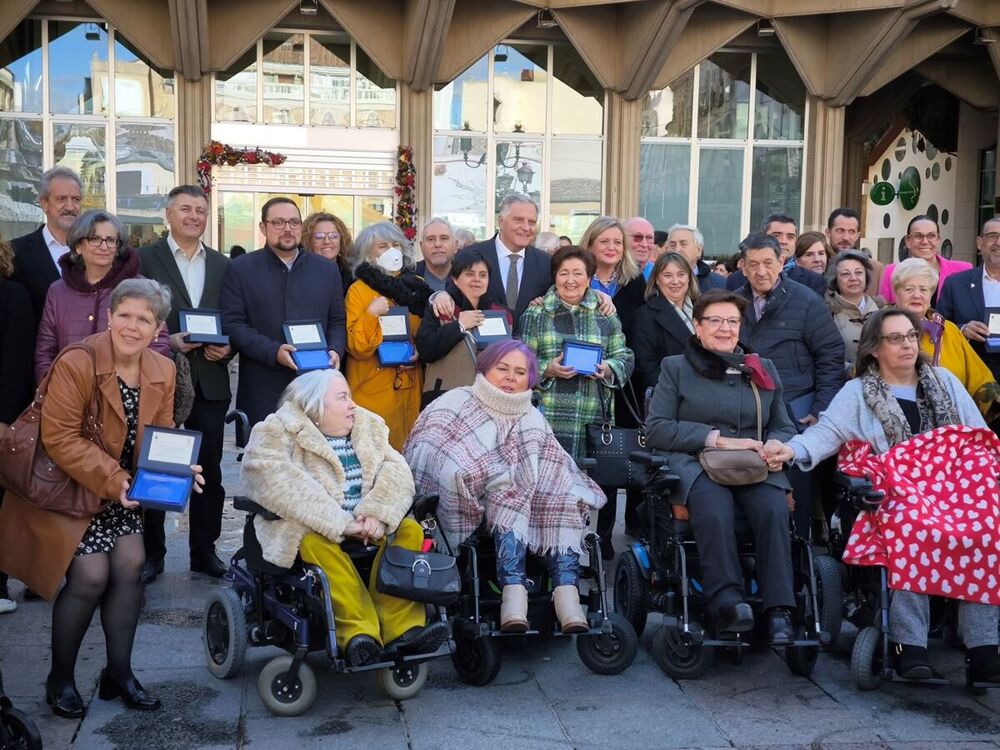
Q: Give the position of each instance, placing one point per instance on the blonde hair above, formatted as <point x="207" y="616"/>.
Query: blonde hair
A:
<point x="6" y="260"/>
<point x="627" y="267"/>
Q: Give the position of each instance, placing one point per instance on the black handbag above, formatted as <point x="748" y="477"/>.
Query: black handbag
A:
<point x="611" y="446"/>
<point x="428" y="577"/>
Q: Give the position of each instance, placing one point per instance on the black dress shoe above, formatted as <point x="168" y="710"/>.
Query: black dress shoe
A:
<point x="64" y="699"/>
<point x="210" y="565"/>
<point x="133" y="694"/>
<point x="983" y="663"/>
<point x="911" y="662"/>
<point x="734" y="618"/>
<point x="780" y="631"/>
<point x="363" y="650"/>
<point x="150" y="570"/>
<point x="423" y="640"/>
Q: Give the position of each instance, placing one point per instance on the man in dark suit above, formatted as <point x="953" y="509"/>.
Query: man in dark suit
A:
<point x="966" y="295"/>
<point x="263" y="290"/>
<point x="438" y="247"/>
<point x="36" y="255"/>
<point x="193" y="272"/>
<point x="784" y="230"/>
<point x="687" y="240"/>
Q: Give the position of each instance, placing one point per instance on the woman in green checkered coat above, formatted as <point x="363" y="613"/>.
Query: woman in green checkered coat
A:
<point x="569" y="311"/>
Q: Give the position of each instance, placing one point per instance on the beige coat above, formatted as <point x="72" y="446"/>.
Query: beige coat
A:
<point x="295" y="473"/>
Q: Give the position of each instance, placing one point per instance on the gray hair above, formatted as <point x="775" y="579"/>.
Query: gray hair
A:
<point x="436" y="220"/>
<point x="83" y="228"/>
<point x="384" y="231"/>
<point x="699" y="238"/>
<point x="57" y="173"/>
<point x="308" y="390"/>
<point x="464" y="237"/>
<point x="911" y="268"/>
<point x="192" y="191"/>
<point x="154" y="294"/>
<point x="512" y="199"/>
<point x="547" y="241"/>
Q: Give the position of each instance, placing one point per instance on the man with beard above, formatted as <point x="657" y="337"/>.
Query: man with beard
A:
<point x="438" y="247"/>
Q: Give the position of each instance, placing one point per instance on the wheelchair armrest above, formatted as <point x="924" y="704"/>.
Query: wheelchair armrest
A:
<point x="586" y="463"/>
<point x="242" y="427"/>
<point x="424" y="506"/>
<point x="247" y="505"/>
<point x="860" y="492"/>
<point x="653" y="460"/>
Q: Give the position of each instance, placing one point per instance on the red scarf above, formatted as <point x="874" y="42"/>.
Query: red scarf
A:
<point x="758" y="374"/>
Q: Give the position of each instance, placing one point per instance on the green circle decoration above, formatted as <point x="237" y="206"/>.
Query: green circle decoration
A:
<point x="909" y="188"/>
<point x="882" y="193"/>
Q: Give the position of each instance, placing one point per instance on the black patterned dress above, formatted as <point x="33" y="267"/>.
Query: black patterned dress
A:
<point x="116" y="520"/>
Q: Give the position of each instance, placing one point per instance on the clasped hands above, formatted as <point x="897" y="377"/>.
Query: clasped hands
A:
<point x="774" y="453"/>
<point x="365" y="528"/>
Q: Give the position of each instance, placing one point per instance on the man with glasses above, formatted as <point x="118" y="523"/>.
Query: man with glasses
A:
<point x="261" y="291"/>
<point x="790" y="325"/>
<point x="193" y="272"/>
<point x="438" y="247"/>
<point x="642" y="241"/>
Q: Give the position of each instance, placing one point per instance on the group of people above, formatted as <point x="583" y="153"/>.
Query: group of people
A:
<point x="750" y="356"/>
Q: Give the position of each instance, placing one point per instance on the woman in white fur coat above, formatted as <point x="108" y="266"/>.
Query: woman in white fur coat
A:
<point x="326" y="467"/>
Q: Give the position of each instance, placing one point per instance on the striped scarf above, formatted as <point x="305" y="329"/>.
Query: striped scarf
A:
<point x="352" y="471"/>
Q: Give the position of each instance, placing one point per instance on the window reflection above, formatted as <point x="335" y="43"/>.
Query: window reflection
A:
<point x="144" y="174"/>
<point x="724" y="96"/>
<point x="667" y="112"/>
<point x="20" y="170"/>
<point x="140" y="90"/>
<point x="518" y="170"/>
<point x="237" y="221"/>
<point x="21" y="69"/>
<point x="374" y="209"/>
<point x="777" y="183"/>
<point x="330" y="81"/>
<point x="577" y="95"/>
<point x="341" y="206"/>
<point x="283" y="75"/>
<point x="82" y="148"/>
<point x="575" y="187"/>
<point x="236" y="90"/>
<point x="78" y="68"/>
<point x="376" y="94"/>
<point x="779" y="100"/>
<point x="461" y="104"/>
<point x="720" y="198"/>
<point x="665" y="183"/>
<point x="459" y="184"/>
<point x="519" y="80"/>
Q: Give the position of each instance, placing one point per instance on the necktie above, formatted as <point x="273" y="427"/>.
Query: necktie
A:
<point x="512" y="281"/>
<point x="758" y="306"/>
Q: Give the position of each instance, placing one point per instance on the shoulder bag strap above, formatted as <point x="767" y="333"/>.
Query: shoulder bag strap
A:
<point x="756" y="398"/>
<point x="92" y="419"/>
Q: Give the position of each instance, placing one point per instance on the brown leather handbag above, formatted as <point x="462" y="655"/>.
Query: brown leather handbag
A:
<point x="734" y="468"/>
<point x="26" y="469"/>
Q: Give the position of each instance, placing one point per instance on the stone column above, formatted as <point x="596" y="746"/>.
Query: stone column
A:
<point x="416" y="129"/>
<point x="193" y="123"/>
<point x="824" y="163"/>
<point x="621" y="186"/>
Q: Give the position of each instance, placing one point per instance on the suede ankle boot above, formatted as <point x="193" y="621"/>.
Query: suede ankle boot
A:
<point x="514" y="609"/>
<point x="569" y="612"/>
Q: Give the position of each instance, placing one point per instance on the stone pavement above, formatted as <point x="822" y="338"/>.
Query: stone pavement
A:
<point x="543" y="698"/>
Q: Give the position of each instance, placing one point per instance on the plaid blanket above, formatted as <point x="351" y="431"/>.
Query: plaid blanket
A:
<point x="489" y="454"/>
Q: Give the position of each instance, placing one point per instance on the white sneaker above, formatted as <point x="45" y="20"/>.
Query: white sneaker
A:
<point x="7" y="605"/>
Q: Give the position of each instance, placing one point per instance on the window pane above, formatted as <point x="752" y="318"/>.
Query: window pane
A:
<point x="780" y="99"/>
<point x="236" y="90"/>
<point x="777" y="183"/>
<point x="667" y="112"/>
<point x="664" y="183"/>
<point x="577" y="96"/>
<point x="144" y="174"/>
<point x="341" y="206"/>
<point x="459" y="185"/>
<point x="82" y="148"/>
<point x="724" y="96"/>
<point x="519" y="88"/>
<point x="461" y="105"/>
<point x="330" y="81"/>
<point x="376" y="103"/>
<point x="575" y="186"/>
<point x="720" y="188"/>
<point x="20" y="170"/>
<point x="21" y="69"/>
<point x="78" y="68"/>
<point x="375" y="209"/>
<point x="140" y="90"/>
<point x="518" y="170"/>
<point x="284" y="68"/>
<point x="237" y="222"/>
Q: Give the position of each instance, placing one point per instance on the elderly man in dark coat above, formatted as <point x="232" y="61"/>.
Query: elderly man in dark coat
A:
<point x="265" y="289"/>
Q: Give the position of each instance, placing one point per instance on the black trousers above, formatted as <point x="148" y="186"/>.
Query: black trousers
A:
<point x="802" y="491"/>
<point x="204" y="509"/>
<point x="712" y="509"/>
<point x="607" y="515"/>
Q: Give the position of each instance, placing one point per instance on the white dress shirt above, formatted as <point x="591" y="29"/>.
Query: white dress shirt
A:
<point x="991" y="290"/>
<point x="56" y="248"/>
<point x="503" y="261"/>
<point x="192" y="271"/>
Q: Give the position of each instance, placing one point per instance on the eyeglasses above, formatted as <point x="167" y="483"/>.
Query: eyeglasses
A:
<point x="282" y="223"/>
<point x="320" y="236"/>
<point x="715" y="321"/>
<point x="641" y="237"/>
<point x="990" y="237"/>
<point x="929" y="237"/>
<point x="897" y="339"/>
<point x="113" y="243"/>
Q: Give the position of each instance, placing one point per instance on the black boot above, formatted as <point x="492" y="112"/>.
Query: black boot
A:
<point x="64" y="698"/>
<point x="983" y="664"/>
<point x="133" y="694"/>
<point x="734" y="618"/>
<point x="911" y="662"/>
<point x="363" y="650"/>
<point x="780" y="631"/>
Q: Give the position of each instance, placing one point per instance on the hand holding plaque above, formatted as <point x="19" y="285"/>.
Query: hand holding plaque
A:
<point x="166" y="471"/>
<point x="309" y="342"/>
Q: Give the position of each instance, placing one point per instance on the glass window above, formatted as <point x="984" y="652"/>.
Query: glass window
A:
<point x="724" y="96"/>
<point x="459" y="183"/>
<point x="376" y="94"/>
<point x="330" y="81"/>
<point x="575" y="186"/>
<point x="519" y="81"/>
<point x="577" y="95"/>
<point x="140" y="90"/>
<point x="518" y="170"/>
<point x="374" y="209"/>
<point x="237" y="222"/>
<point x="461" y="104"/>
<point x="665" y="183"/>
<point x="20" y="170"/>
<point x="21" y="69"/>
<point x="777" y="183"/>
<point x="667" y="112"/>
<point x="341" y="206"/>
<point x="78" y="68"/>
<point x="144" y="174"/>
<point x="779" y="99"/>
<point x="236" y="90"/>
<point x="283" y="70"/>
<point x="720" y="193"/>
<point x="83" y="148"/>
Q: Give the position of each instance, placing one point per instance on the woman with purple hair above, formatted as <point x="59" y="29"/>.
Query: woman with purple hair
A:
<point x="488" y="453"/>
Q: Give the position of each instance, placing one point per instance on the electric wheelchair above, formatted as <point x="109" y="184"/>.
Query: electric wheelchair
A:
<point x="17" y="730"/>
<point x="660" y="574"/>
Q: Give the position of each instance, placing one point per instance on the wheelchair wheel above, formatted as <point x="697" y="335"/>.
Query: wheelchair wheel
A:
<point x="225" y="633"/>
<point x="685" y="661"/>
<point x="801" y="659"/>
<point x="285" y="697"/>
<point x="829" y="593"/>
<point x="610" y="653"/>
<point x="631" y="591"/>
<point x="19" y="731"/>
<point x="866" y="659"/>
<point x="476" y="660"/>
<point x="403" y="682"/>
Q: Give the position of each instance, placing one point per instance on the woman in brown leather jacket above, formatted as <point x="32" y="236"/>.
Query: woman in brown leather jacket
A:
<point x="101" y="556"/>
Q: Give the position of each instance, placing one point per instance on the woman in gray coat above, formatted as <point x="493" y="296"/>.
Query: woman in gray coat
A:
<point x="704" y="399"/>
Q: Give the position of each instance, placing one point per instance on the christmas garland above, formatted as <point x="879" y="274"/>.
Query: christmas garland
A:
<point x="217" y="154"/>
<point x="406" y="205"/>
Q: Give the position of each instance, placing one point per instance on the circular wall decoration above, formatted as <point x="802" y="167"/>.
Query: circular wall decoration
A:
<point x="931" y="152"/>
<point x="944" y="216"/>
<point x="932" y="211"/>
<point x="886" y="169"/>
<point x="935" y="171"/>
<point x="886" y="221"/>
<point x="901" y="149"/>
<point x="927" y="173"/>
<point x="882" y="193"/>
<point x="947" y="164"/>
<point x="946" y="248"/>
<point x="909" y="188"/>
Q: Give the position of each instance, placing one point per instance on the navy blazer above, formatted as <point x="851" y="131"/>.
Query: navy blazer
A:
<point x="536" y="275"/>
<point x="962" y="300"/>
<point x="34" y="268"/>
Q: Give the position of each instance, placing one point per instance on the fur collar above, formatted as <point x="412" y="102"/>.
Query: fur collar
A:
<point x="125" y="266"/>
<point x="710" y="364"/>
<point x="406" y="289"/>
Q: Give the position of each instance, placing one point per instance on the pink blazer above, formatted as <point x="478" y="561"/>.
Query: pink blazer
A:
<point x="948" y="267"/>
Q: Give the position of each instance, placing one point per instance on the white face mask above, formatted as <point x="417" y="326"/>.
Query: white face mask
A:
<point x="391" y="260"/>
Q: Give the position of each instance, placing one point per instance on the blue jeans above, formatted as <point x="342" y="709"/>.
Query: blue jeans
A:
<point x="512" y="555"/>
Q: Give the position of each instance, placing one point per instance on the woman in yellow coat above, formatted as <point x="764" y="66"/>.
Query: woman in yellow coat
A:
<point x="385" y="279"/>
